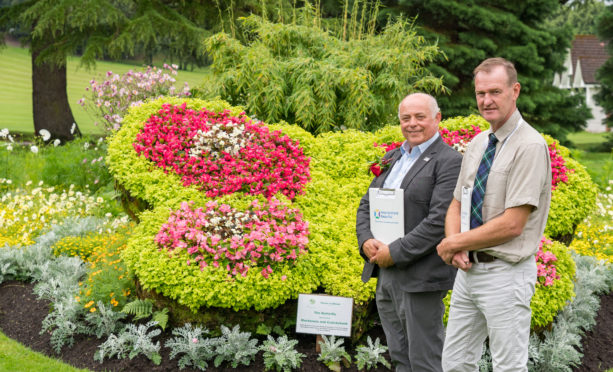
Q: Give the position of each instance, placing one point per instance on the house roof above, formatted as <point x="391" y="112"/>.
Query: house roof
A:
<point x="592" y="54"/>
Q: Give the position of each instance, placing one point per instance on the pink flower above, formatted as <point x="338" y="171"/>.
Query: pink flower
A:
<point x="239" y="240"/>
<point x="546" y="272"/>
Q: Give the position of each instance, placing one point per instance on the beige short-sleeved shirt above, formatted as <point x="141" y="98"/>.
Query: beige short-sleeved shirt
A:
<point x="520" y="175"/>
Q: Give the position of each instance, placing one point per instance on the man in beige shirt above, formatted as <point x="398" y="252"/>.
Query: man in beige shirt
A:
<point x="493" y="227"/>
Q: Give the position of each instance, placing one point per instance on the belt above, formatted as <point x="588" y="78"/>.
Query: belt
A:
<point x="476" y="256"/>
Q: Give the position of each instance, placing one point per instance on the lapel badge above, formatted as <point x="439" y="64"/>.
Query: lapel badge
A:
<point x="426" y="158"/>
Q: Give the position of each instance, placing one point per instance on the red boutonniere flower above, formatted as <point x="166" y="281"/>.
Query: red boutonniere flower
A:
<point x="379" y="167"/>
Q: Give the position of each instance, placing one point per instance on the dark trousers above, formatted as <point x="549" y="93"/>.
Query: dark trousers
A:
<point x="413" y="326"/>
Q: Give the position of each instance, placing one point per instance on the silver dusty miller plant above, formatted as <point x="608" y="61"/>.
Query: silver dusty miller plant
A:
<point x="190" y="342"/>
<point x="281" y="354"/>
<point x="235" y="347"/>
<point x="332" y="353"/>
<point x="133" y="340"/>
<point x="105" y="321"/>
<point x="371" y="355"/>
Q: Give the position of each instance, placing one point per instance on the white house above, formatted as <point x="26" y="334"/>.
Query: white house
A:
<point x="586" y="56"/>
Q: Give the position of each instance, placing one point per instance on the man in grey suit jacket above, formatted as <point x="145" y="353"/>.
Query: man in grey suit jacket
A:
<point x="413" y="279"/>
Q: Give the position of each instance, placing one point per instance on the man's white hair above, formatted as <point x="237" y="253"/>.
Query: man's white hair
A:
<point x="434" y="109"/>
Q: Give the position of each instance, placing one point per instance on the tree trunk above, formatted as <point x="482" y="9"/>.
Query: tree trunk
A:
<point x="50" y="105"/>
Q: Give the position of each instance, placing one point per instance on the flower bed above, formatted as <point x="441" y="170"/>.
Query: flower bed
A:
<point x="221" y="153"/>
<point x="265" y="234"/>
<point x="337" y="164"/>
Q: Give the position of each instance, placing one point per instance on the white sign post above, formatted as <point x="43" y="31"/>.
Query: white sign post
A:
<point x="324" y="315"/>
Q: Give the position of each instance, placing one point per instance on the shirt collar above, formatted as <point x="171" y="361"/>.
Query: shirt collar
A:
<point x="503" y="132"/>
<point x="404" y="149"/>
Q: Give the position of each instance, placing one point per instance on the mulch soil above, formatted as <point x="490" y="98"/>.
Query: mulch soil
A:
<point x="21" y="315"/>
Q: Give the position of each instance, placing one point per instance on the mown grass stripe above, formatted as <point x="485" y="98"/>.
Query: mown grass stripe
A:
<point x="16" y="88"/>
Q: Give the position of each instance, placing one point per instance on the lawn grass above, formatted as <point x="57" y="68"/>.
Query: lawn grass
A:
<point x="15" y="357"/>
<point x="16" y="88"/>
<point x="586" y="140"/>
<point x="598" y="164"/>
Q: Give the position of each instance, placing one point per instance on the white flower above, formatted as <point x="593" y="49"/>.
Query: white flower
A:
<point x="85" y="145"/>
<point x="34" y="149"/>
<point x="45" y="134"/>
<point x="4" y="133"/>
<point x="9" y="147"/>
<point x="56" y="142"/>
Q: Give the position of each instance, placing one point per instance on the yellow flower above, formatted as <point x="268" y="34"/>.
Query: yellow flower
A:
<point x="92" y="310"/>
<point x="90" y="303"/>
<point x="114" y="302"/>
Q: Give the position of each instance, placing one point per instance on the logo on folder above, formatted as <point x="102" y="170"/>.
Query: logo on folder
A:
<point x="377" y="214"/>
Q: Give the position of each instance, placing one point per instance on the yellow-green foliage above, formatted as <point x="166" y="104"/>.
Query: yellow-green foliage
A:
<point x="339" y="178"/>
<point x="81" y="246"/>
<point x="571" y="201"/>
<point x="465" y="122"/>
<point x="548" y="301"/>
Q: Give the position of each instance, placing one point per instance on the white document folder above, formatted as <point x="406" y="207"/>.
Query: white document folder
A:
<point x="386" y="214"/>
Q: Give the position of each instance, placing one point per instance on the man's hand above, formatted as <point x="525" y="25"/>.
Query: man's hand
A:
<point x="460" y="260"/>
<point x="447" y="248"/>
<point x="382" y="257"/>
<point x="370" y="247"/>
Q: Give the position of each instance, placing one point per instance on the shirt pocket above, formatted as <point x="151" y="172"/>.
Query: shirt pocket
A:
<point x="495" y="191"/>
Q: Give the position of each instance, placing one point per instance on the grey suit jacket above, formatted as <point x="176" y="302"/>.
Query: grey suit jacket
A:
<point x="428" y="189"/>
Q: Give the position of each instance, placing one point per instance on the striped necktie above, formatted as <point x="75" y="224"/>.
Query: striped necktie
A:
<point x="476" y="217"/>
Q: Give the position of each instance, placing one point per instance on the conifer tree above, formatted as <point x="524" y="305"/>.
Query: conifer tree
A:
<point x="605" y="73"/>
<point x="469" y="31"/>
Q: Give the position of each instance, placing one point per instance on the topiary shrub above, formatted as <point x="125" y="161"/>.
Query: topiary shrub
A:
<point x="574" y="196"/>
<point x="555" y="286"/>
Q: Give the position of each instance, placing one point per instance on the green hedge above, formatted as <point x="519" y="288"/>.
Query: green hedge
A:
<point x="339" y="178"/>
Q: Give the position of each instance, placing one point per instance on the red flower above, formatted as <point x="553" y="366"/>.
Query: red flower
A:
<point x="379" y="167"/>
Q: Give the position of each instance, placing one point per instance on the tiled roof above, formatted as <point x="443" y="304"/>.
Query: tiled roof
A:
<point x="592" y="54"/>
